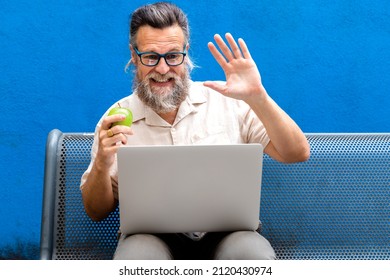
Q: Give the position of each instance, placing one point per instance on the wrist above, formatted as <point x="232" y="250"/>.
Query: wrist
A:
<point x="101" y="167"/>
<point x="258" y="98"/>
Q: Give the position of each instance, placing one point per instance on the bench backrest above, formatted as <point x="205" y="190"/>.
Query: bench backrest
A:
<point x="334" y="206"/>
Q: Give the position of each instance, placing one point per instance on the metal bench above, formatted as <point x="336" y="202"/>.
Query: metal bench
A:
<point x="336" y="206"/>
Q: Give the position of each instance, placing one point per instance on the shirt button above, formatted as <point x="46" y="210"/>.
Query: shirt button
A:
<point x="173" y="135"/>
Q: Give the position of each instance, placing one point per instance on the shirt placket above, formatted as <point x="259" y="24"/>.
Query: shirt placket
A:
<point x="174" y="135"/>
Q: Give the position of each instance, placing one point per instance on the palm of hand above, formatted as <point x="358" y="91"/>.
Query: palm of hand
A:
<point x="243" y="79"/>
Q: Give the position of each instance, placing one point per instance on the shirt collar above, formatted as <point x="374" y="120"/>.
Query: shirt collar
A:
<point x="195" y="97"/>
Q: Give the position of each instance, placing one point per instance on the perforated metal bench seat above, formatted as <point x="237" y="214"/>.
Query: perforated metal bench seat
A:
<point x="334" y="206"/>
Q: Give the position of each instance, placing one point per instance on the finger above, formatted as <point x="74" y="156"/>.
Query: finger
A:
<point x="217" y="55"/>
<point x="110" y="132"/>
<point x="124" y="129"/>
<point x="233" y="46"/>
<point x="117" y="133"/>
<point x="105" y="134"/>
<point x="221" y="88"/>
<point x="119" y="138"/>
<point x="109" y="120"/>
<point x="223" y="47"/>
<point x="244" y="49"/>
<point x="108" y="141"/>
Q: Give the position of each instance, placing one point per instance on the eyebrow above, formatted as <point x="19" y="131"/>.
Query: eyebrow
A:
<point x="174" y="49"/>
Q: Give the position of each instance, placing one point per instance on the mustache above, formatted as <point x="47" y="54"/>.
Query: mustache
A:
<point x="162" y="77"/>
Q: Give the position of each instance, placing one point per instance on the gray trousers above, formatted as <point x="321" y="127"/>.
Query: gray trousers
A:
<point x="240" y="245"/>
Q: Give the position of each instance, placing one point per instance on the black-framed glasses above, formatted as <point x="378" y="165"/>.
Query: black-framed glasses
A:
<point x="152" y="58"/>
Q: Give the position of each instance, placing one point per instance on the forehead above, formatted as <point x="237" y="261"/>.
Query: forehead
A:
<point x="160" y="40"/>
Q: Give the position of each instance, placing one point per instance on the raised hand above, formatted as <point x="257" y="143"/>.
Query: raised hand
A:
<point x="243" y="80"/>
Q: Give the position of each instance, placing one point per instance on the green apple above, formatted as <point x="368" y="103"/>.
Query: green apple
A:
<point x="124" y="111"/>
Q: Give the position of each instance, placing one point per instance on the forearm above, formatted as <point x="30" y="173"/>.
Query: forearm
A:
<point x="97" y="193"/>
<point x="288" y="143"/>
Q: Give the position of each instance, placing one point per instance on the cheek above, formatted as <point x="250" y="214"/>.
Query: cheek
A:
<point x="180" y="70"/>
<point x="142" y="72"/>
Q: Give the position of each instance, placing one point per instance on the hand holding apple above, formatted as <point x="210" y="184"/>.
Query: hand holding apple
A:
<point x="123" y="111"/>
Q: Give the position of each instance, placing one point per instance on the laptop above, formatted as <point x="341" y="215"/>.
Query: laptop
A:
<point x="194" y="188"/>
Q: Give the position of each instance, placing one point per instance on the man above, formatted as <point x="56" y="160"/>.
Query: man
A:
<point x="170" y="109"/>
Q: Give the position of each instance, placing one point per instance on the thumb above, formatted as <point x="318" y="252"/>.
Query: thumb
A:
<point x="221" y="88"/>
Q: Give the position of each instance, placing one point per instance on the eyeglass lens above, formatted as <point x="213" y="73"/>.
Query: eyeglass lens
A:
<point x="172" y="59"/>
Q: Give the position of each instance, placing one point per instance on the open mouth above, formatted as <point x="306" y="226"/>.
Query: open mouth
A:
<point x="162" y="82"/>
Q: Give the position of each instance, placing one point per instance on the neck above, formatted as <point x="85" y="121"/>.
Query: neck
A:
<point x="169" y="117"/>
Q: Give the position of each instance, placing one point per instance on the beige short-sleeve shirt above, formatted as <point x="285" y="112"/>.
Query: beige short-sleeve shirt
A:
<point x="204" y="117"/>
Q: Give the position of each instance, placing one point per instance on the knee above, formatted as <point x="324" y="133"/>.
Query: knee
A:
<point x="142" y="247"/>
<point x="244" y="245"/>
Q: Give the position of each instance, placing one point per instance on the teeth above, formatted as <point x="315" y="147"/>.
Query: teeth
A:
<point x="161" y="80"/>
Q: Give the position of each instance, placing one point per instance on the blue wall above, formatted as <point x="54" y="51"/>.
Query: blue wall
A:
<point x="327" y="63"/>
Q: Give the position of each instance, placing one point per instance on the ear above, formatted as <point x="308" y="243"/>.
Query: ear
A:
<point x="133" y="55"/>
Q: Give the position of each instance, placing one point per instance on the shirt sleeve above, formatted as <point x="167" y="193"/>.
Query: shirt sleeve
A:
<point x="253" y="130"/>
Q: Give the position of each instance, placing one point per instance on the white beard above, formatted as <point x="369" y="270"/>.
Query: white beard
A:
<point x="163" y="99"/>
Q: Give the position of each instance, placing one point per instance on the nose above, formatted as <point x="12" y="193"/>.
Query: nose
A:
<point x="162" y="67"/>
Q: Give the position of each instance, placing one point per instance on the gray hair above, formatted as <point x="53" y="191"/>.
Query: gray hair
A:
<point x="159" y="15"/>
